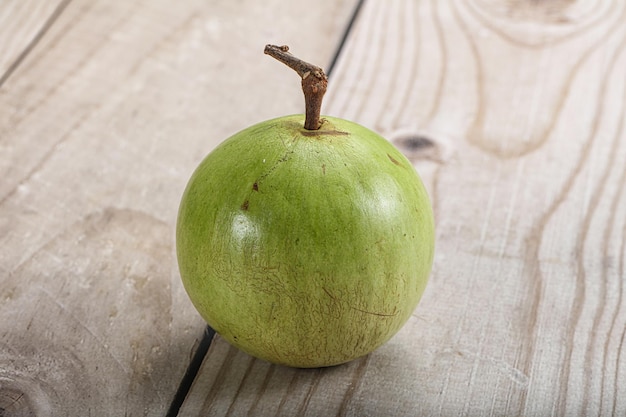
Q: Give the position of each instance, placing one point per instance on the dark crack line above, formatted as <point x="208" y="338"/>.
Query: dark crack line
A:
<point x="344" y="38"/>
<point x="58" y="11"/>
<point x="191" y="373"/>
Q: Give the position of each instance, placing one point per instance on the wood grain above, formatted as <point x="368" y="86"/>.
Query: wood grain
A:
<point x="105" y="109"/>
<point x="513" y="113"/>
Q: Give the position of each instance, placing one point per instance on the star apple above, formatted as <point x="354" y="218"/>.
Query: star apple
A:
<point x="305" y="247"/>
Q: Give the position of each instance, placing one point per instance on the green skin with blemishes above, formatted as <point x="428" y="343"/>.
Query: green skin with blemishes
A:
<point x="305" y="248"/>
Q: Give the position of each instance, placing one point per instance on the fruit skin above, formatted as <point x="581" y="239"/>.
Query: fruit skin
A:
<point x="305" y="248"/>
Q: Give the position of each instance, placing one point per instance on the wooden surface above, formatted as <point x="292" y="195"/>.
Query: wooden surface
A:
<point x="512" y="111"/>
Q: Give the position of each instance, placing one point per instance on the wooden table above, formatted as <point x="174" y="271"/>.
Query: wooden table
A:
<point x="513" y="112"/>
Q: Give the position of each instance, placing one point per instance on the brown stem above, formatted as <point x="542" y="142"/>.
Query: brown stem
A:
<point x="314" y="83"/>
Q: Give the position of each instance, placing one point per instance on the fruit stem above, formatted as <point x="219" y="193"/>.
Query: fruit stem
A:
<point x="314" y="83"/>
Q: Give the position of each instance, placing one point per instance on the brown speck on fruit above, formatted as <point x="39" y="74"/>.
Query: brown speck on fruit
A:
<point x="245" y="205"/>
<point x="392" y="159"/>
<point x="255" y="186"/>
<point x="330" y="294"/>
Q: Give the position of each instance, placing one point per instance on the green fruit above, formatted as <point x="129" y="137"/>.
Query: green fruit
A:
<point x="306" y="248"/>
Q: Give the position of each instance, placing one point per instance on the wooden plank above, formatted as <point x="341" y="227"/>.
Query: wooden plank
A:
<point x="101" y="123"/>
<point x="513" y="112"/>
